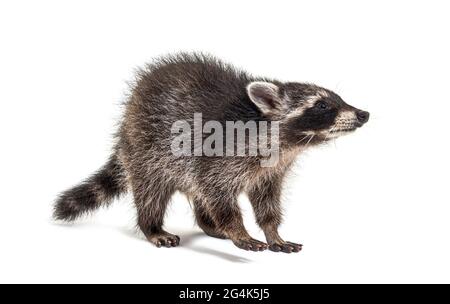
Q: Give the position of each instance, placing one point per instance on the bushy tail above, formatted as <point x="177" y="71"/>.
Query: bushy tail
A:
<point x="98" y="190"/>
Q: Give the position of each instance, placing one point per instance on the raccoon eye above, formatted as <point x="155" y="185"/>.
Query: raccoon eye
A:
<point x="322" y="105"/>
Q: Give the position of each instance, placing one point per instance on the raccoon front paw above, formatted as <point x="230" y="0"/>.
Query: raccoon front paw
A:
<point x="251" y="244"/>
<point x="286" y="247"/>
<point x="164" y="239"/>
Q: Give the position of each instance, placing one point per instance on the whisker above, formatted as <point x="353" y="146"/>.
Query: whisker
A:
<point x="304" y="138"/>
<point x="329" y="133"/>
<point x="312" y="136"/>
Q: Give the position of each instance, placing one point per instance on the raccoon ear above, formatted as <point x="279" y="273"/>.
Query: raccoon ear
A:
<point x="266" y="96"/>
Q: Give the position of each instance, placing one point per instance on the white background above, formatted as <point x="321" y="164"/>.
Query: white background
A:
<point x="373" y="207"/>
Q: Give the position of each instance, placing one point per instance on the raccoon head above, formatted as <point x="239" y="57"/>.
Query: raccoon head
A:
<point x="307" y="113"/>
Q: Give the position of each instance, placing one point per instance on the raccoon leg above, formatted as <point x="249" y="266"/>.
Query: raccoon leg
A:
<point x="205" y="221"/>
<point x="151" y="199"/>
<point x="265" y="198"/>
<point x="227" y="217"/>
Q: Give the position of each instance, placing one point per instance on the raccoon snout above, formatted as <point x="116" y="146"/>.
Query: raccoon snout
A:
<point x="363" y="116"/>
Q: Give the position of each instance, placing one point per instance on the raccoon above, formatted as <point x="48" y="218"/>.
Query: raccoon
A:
<point x="174" y="88"/>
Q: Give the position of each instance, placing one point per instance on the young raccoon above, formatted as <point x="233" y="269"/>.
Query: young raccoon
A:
<point x="173" y="89"/>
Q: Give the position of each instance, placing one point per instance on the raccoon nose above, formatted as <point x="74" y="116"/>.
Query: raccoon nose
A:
<point x="362" y="116"/>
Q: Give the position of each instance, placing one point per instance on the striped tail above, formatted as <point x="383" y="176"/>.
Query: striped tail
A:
<point x="97" y="191"/>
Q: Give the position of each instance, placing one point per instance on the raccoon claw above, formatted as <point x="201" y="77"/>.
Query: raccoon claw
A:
<point x="252" y="244"/>
<point x="164" y="239"/>
<point x="287" y="247"/>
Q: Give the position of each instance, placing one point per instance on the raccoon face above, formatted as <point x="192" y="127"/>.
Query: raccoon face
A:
<point x="306" y="111"/>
